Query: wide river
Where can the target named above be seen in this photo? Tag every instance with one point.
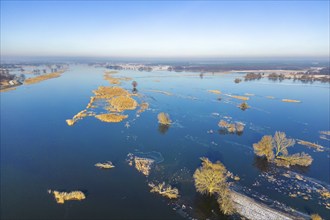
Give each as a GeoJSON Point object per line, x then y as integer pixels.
{"type": "Point", "coordinates": [39, 151]}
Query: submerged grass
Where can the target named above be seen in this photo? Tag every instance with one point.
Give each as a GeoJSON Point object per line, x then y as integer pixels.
{"type": "Point", "coordinates": [162, 92]}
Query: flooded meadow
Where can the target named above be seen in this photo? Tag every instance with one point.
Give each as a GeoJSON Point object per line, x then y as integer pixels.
{"type": "Point", "coordinates": [127, 145]}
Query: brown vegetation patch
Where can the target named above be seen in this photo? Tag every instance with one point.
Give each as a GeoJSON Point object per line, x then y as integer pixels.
{"type": "Point", "coordinates": [7, 89]}
{"type": "Point", "coordinates": [143, 106]}
{"type": "Point", "coordinates": [164, 118]}
{"type": "Point", "coordinates": [275, 150]}
{"type": "Point", "coordinates": [80, 115]}
{"type": "Point", "coordinates": [61, 197]}
{"type": "Point", "coordinates": [215, 92]}
{"type": "Point", "coordinates": [42, 78]}
{"type": "Point", "coordinates": [325, 194]}
{"type": "Point", "coordinates": [244, 98]}
{"type": "Point", "coordinates": [300, 159]}
{"type": "Point", "coordinates": [311, 145]}
{"type": "Point", "coordinates": [111, 117]}
{"type": "Point", "coordinates": [106, 165]}
{"type": "Point", "coordinates": [91, 101]}
{"type": "Point", "coordinates": [116, 99]}
{"type": "Point", "coordinates": [110, 72]}
{"type": "Point", "coordinates": [164, 190]}
{"type": "Point", "coordinates": [111, 79]}
{"type": "Point", "coordinates": [316, 217]}
{"type": "Point", "coordinates": [143, 165]}
{"type": "Point", "coordinates": [121, 103]}
{"type": "Point", "coordinates": [325, 132]}
{"type": "Point", "coordinates": [211, 178]}
{"type": "Point", "coordinates": [290, 100]}
{"type": "Point", "coordinates": [243, 106]}
{"type": "Point", "coordinates": [106, 92]}
{"type": "Point", "coordinates": [237, 127]}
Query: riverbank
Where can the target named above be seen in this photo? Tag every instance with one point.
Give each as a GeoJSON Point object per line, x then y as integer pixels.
{"type": "Point", "coordinates": [251, 209]}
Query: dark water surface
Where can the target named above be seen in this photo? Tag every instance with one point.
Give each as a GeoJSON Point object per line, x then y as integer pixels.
{"type": "Point", "coordinates": [39, 151]}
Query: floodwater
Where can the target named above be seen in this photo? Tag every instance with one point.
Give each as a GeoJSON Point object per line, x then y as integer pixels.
{"type": "Point", "coordinates": [39, 151]}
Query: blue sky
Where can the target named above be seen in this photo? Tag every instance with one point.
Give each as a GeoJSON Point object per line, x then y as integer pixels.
{"type": "Point", "coordinates": [165, 29]}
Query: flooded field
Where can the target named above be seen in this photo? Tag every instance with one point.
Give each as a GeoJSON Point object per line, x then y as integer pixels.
{"type": "Point", "coordinates": [153, 134]}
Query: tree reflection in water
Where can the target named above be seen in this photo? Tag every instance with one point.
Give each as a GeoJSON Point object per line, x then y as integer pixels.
{"type": "Point", "coordinates": [163, 128]}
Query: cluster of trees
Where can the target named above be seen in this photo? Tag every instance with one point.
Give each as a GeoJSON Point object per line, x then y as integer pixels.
{"type": "Point", "coordinates": [252, 76]}
{"type": "Point", "coordinates": [232, 127]}
{"type": "Point", "coordinates": [275, 149]}
{"type": "Point", "coordinates": [164, 118]}
{"type": "Point", "coordinates": [275, 76]}
{"type": "Point", "coordinates": [5, 76]}
{"type": "Point", "coordinates": [211, 179]}
{"type": "Point", "coordinates": [244, 106]}
{"type": "Point", "coordinates": [237, 80]}
{"type": "Point", "coordinates": [311, 78]}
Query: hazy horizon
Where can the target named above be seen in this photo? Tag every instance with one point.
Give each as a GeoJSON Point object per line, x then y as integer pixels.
{"type": "Point", "coordinates": [187, 30]}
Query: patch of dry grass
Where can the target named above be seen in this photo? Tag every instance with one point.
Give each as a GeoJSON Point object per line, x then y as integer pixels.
{"type": "Point", "coordinates": [164, 118]}
{"type": "Point", "coordinates": [143, 165]}
{"type": "Point", "coordinates": [316, 217]}
{"type": "Point", "coordinates": [61, 197]}
{"type": "Point", "coordinates": [143, 106]}
{"type": "Point", "coordinates": [215, 92]}
{"type": "Point", "coordinates": [111, 117]}
{"type": "Point", "coordinates": [80, 115]}
{"type": "Point", "coordinates": [325, 132]}
{"type": "Point", "coordinates": [310, 144]}
{"type": "Point", "coordinates": [111, 79]}
{"type": "Point", "coordinates": [290, 100]}
{"type": "Point", "coordinates": [164, 190]}
{"type": "Point", "coordinates": [239, 97]}
{"type": "Point", "coordinates": [121, 103]}
{"type": "Point", "coordinates": [232, 127]}
{"type": "Point", "coordinates": [42, 78]}
{"type": "Point", "coordinates": [7, 89]}
{"type": "Point", "coordinates": [91, 101]}
{"type": "Point", "coordinates": [106, 92]}
{"type": "Point", "coordinates": [106, 165]}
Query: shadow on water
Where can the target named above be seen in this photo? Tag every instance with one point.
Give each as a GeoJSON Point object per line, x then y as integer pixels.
{"type": "Point", "coordinates": [163, 128]}
{"type": "Point", "coordinates": [264, 166]}
{"type": "Point", "coordinates": [224, 131]}
{"type": "Point", "coordinates": [134, 90]}
{"type": "Point", "coordinates": [261, 163]}
{"type": "Point", "coordinates": [300, 169]}
{"type": "Point", "coordinates": [206, 207]}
